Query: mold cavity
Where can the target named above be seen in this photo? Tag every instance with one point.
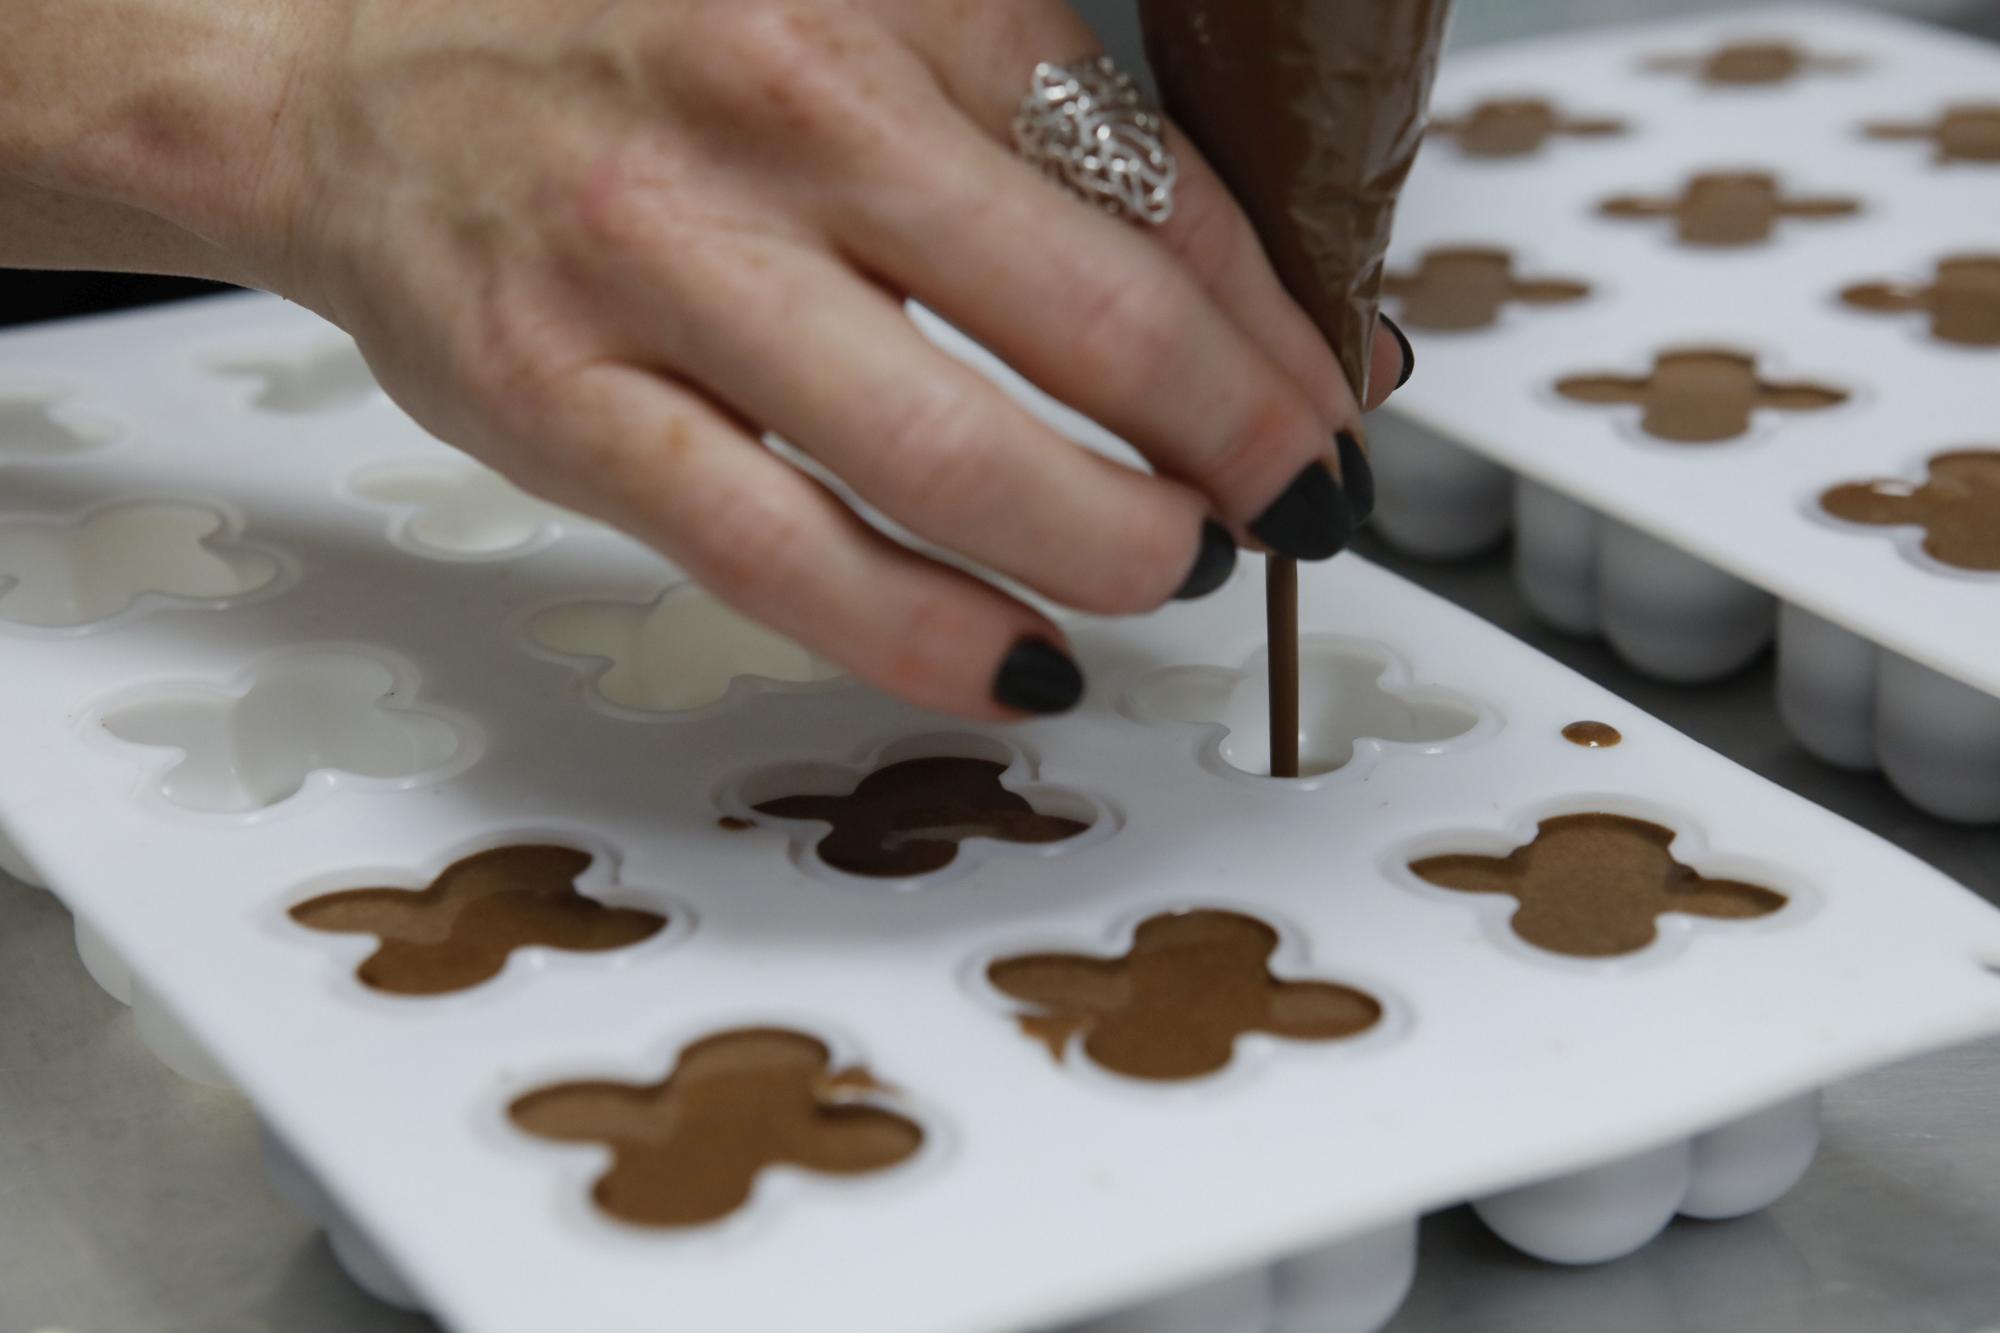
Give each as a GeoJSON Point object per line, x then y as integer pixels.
{"type": "Point", "coordinates": [1725, 208]}
{"type": "Point", "coordinates": [460, 510]}
{"type": "Point", "coordinates": [60, 576]}
{"type": "Point", "coordinates": [1592, 735]}
{"type": "Point", "coordinates": [460, 931]}
{"type": "Point", "coordinates": [1962, 303]}
{"type": "Point", "coordinates": [1594, 885]}
{"type": "Point", "coordinates": [687, 1151]}
{"type": "Point", "coordinates": [1965, 132]}
{"type": "Point", "coordinates": [1700, 395]}
{"type": "Point", "coordinates": [1517, 126]}
{"type": "Point", "coordinates": [1173, 1007]}
{"type": "Point", "coordinates": [30, 432]}
{"type": "Point", "coordinates": [1455, 288]}
{"type": "Point", "coordinates": [301, 715]}
{"type": "Point", "coordinates": [323, 378]}
{"type": "Point", "coordinates": [1342, 699]}
{"type": "Point", "coordinates": [1750, 63]}
{"type": "Point", "coordinates": [678, 652]}
{"type": "Point", "coordinates": [1958, 507]}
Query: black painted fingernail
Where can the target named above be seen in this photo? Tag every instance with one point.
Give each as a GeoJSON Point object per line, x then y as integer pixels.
{"type": "Point", "coordinates": [1310, 521]}
{"type": "Point", "coordinates": [1038, 677]}
{"type": "Point", "coordinates": [1357, 478]}
{"type": "Point", "coordinates": [1213, 564]}
{"type": "Point", "coordinates": [1409, 352]}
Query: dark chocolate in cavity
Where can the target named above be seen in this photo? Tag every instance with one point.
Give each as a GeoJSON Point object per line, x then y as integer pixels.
{"type": "Point", "coordinates": [1700, 395]}
{"type": "Point", "coordinates": [1456, 288]}
{"type": "Point", "coordinates": [1729, 208]}
{"type": "Point", "coordinates": [1519, 126]}
{"type": "Point", "coordinates": [1963, 302]}
{"type": "Point", "coordinates": [1958, 507]}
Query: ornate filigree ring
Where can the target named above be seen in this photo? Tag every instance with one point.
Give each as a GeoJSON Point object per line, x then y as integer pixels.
{"type": "Point", "coordinates": [1089, 129]}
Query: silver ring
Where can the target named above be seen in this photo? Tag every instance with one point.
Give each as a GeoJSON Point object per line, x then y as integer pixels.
{"type": "Point", "coordinates": [1089, 129]}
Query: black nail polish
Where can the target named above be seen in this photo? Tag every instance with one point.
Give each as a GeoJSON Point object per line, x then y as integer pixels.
{"type": "Point", "coordinates": [1357, 478]}
{"type": "Point", "coordinates": [1409, 352]}
{"type": "Point", "coordinates": [1038, 677]}
{"type": "Point", "coordinates": [1213, 564]}
{"type": "Point", "coordinates": [1310, 521]}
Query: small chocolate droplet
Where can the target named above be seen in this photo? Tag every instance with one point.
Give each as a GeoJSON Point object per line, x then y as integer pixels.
{"type": "Point", "coordinates": [1592, 735]}
{"type": "Point", "coordinates": [731, 824]}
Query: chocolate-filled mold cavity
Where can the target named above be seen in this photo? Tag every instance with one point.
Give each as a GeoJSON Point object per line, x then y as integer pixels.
{"type": "Point", "coordinates": [1174, 1006]}
{"type": "Point", "coordinates": [676, 653]}
{"type": "Point", "coordinates": [1963, 132]}
{"type": "Point", "coordinates": [1956, 507]}
{"type": "Point", "coordinates": [326, 376]}
{"type": "Point", "coordinates": [1353, 697]}
{"type": "Point", "coordinates": [35, 428]}
{"type": "Point", "coordinates": [68, 575]}
{"type": "Point", "coordinates": [1751, 64]}
{"type": "Point", "coordinates": [250, 746]}
{"type": "Point", "coordinates": [459, 931]}
{"type": "Point", "coordinates": [1700, 395]}
{"type": "Point", "coordinates": [1595, 885]}
{"type": "Point", "coordinates": [688, 1151]}
{"type": "Point", "coordinates": [1592, 735]}
{"type": "Point", "coordinates": [460, 510]}
{"type": "Point", "coordinates": [1519, 127]}
{"type": "Point", "coordinates": [1720, 209]}
{"type": "Point", "coordinates": [1961, 304]}
{"type": "Point", "coordinates": [1455, 289]}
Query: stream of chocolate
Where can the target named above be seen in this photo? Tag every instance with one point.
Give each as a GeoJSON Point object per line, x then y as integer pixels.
{"type": "Point", "coordinates": [1312, 112]}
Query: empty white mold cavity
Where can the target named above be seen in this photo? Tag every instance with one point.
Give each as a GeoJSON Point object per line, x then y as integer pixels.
{"type": "Point", "coordinates": [1352, 696]}
{"type": "Point", "coordinates": [66, 575]}
{"type": "Point", "coordinates": [327, 376]}
{"type": "Point", "coordinates": [1433, 498]}
{"type": "Point", "coordinates": [32, 430]}
{"type": "Point", "coordinates": [460, 510]}
{"type": "Point", "coordinates": [678, 652]}
{"type": "Point", "coordinates": [312, 713]}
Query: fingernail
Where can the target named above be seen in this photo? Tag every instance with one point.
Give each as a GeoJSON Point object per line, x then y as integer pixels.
{"type": "Point", "coordinates": [1409, 352]}
{"type": "Point", "coordinates": [1213, 564]}
{"type": "Point", "coordinates": [1038, 677]}
{"type": "Point", "coordinates": [1357, 478]}
{"type": "Point", "coordinates": [1310, 521]}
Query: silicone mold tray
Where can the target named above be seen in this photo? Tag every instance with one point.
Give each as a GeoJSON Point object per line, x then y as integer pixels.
{"type": "Point", "coordinates": [488, 934]}
{"type": "Point", "coordinates": [1653, 350]}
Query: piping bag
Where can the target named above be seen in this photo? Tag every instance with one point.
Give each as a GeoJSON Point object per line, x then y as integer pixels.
{"type": "Point", "coordinates": [1312, 112]}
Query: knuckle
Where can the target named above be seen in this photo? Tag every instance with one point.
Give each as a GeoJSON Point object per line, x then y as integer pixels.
{"type": "Point", "coordinates": [1262, 455]}
{"type": "Point", "coordinates": [779, 61]}
{"type": "Point", "coordinates": [936, 450]}
{"type": "Point", "coordinates": [1145, 561]}
{"type": "Point", "coordinates": [746, 549]}
{"type": "Point", "coordinates": [1126, 334]}
{"type": "Point", "coordinates": [1206, 235]}
{"type": "Point", "coordinates": [924, 662]}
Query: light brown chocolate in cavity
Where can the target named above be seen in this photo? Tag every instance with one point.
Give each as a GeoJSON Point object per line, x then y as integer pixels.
{"type": "Point", "coordinates": [1700, 395]}
{"type": "Point", "coordinates": [687, 1151]}
{"type": "Point", "coordinates": [1963, 302]}
{"type": "Point", "coordinates": [1968, 132]}
{"type": "Point", "coordinates": [1723, 208]}
{"type": "Point", "coordinates": [1173, 1007]}
{"type": "Point", "coordinates": [1593, 885]}
{"type": "Point", "coordinates": [1592, 735]}
{"type": "Point", "coordinates": [908, 818]}
{"type": "Point", "coordinates": [460, 931]}
{"type": "Point", "coordinates": [1744, 64]}
{"type": "Point", "coordinates": [1519, 126]}
{"type": "Point", "coordinates": [1958, 507]}
{"type": "Point", "coordinates": [1456, 288]}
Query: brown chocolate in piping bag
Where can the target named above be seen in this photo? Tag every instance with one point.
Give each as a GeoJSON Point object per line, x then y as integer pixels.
{"type": "Point", "coordinates": [1312, 112]}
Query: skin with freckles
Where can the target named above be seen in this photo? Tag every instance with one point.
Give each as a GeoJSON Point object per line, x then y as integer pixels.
{"type": "Point", "coordinates": [605, 245]}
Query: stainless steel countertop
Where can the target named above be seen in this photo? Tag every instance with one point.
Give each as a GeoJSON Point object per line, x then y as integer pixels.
{"type": "Point", "coordinates": [134, 1202]}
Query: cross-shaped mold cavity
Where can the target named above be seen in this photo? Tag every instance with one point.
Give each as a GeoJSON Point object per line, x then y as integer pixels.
{"type": "Point", "coordinates": [459, 931]}
{"type": "Point", "coordinates": [1462, 287]}
{"type": "Point", "coordinates": [337, 716]}
{"type": "Point", "coordinates": [66, 575]}
{"type": "Point", "coordinates": [1962, 302]}
{"type": "Point", "coordinates": [1519, 126]}
{"type": "Point", "coordinates": [1957, 507]}
{"type": "Point", "coordinates": [1700, 395]}
{"type": "Point", "coordinates": [1356, 701]}
{"type": "Point", "coordinates": [1964, 132]}
{"type": "Point", "coordinates": [34, 428]}
{"type": "Point", "coordinates": [677, 652]}
{"type": "Point", "coordinates": [689, 1150]}
{"type": "Point", "coordinates": [326, 375]}
{"type": "Point", "coordinates": [1729, 208]}
{"type": "Point", "coordinates": [459, 510]}
{"type": "Point", "coordinates": [1748, 63]}
{"type": "Point", "coordinates": [919, 807]}
{"type": "Point", "coordinates": [1174, 1006]}
{"type": "Point", "coordinates": [1595, 885]}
